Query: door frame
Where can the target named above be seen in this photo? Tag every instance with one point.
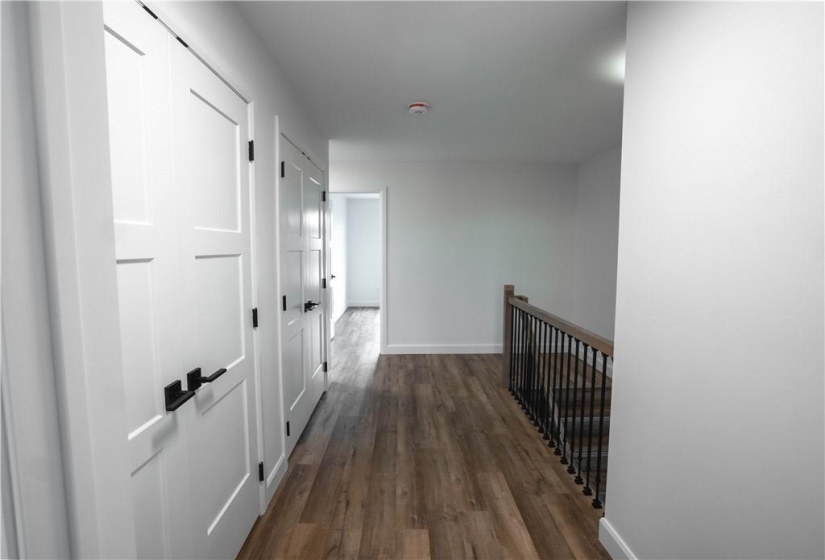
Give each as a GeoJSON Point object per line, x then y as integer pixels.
{"type": "Point", "coordinates": [382, 192]}
{"type": "Point", "coordinates": [69, 73]}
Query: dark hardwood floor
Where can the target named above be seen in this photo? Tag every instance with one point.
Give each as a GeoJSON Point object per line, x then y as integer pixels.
{"type": "Point", "coordinates": [421, 456]}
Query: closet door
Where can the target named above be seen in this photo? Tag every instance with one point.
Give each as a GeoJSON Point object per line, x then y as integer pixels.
{"type": "Point", "coordinates": [213, 214]}
{"type": "Point", "coordinates": [181, 196]}
{"type": "Point", "coordinates": [302, 258]}
{"type": "Point", "coordinates": [140, 133]}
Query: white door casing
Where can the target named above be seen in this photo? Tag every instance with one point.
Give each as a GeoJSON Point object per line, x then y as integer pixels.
{"type": "Point", "coordinates": [181, 195]}
{"type": "Point", "coordinates": [302, 222]}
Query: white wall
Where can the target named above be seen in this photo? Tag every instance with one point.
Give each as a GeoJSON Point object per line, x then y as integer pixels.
{"type": "Point", "coordinates": [338, 250]}
{"type": "Point", "coordinates": [29, 401]}
{"type": "Point", "coordinates": [717, 434]}
{"type": "Point", "coordinates": [363, 252]}
{"type": "Point", "coordinates": [456, 234]}
{"type": "Point", "coordinates": [597, 240]}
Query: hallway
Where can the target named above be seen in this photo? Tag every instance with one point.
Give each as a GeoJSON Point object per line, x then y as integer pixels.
{"type": "Point", "coordinates": [421, 456]}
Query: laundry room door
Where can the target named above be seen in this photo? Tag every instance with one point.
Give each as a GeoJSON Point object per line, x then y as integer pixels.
{"type": "Point", "coordinates": [181, 194]}
{"type": "Point", "coordinates": [303, 301]}
{"type": "Point", "coordinates": [138, 67]}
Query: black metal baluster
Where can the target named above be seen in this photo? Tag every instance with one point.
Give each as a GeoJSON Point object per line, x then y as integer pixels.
{"type": "Point", "coordinates": [571, 469]}
{"type": "Point", "coordinates": [548, 411]}
{"type": "Point", "coordinates": [525, 359]}
{"type": "Point", "coordinates": [517, 366]}
{"type": "Point", "coordinates": [551, 398]}
{"type": "Point", "coordinates": [562, 401]}
{"type": "Point", "coordinates": [587, 491]}
{"type": "Point", "coordinates": [579, 479]}
{"type": "Point", "coordinates": [520, 385]}
{"type": "Point", "coordinates": [567, 445]}
{"type": "Point", "coordinates": [597, 503]}
{"type": "Point", "coordinates": [525, 367]}
{"type": "Point", "coordinates": [557, 390]}
{"type": "Point", "coordinates": [532, 379]}
{"type": "Point", "coordinates": [540, 412]}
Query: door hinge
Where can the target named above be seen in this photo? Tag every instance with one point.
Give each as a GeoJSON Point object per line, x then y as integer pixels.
{"type": "Point", "coordinates": [261, 471]}
{"type": "Point", "coordinates": [287, 429]}
{"type": "Point", "coordinates": [181, 41]}
{"type": "Point", "coordinates": [251, 150]}
{"type": "Point", "coordinates": [323, 196]}
{"type": "Point", "coordinates": [324, 283]}
{"type": "Point", "coordinates": [283, 302]}
{"type": "Point", "coordinates": [255, 318]}
{"type": "Point", "coordinates": [326, 368]}
{"type": "Point", "coordinates": [283, 170]}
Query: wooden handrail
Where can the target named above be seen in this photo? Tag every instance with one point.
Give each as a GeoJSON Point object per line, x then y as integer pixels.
{"type": "Point", "coordinates": [592, 339]}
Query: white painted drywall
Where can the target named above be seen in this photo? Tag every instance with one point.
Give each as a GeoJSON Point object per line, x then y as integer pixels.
{"type": "Point", "coordinates": [29, 415]}
{"type": "Point", "coordinates": [717, 433]}
{"type": "Point", "coordinates": [456, 234]}
{"type": "Point", "coordinates": [218, 31]}
{"type": "Point", "coordinates": [597, 240]}
{"type": "Point", "coordinates": [338, 254]}
{"type": "Point", "coordinates": [363, 252]}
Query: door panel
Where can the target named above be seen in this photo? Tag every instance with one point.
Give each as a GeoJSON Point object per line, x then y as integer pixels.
{"type": "Point", "coordinates": [295, 383]}
{"type": "Point", "coordinates": [218, 308]}
{"type": "Point", "coordinates": [151, 514]}
{"type": "Point", "coordinates": [217, 145]}
{"type": "Point", "coordinates": [138, 90]}
{"type": "Point", "coordinates": [138, 320]}
{"type": "Point", "coordinates": [128, 135]}
{"type": "Point", "coordinates": [213, 202]}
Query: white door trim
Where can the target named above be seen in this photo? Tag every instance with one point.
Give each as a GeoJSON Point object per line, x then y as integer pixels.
{"type": "Point", "coordinates": [381, 191]}
{"type": "Point", "coordinates": [70, 94]}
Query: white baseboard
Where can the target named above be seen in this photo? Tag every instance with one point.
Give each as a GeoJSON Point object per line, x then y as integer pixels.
{"type": "Point", "coordinates": [443, 349]}
{"type": "Point", "coordinates": [613, 542]}
{"type": "Point", "coordinates": [363, 304]}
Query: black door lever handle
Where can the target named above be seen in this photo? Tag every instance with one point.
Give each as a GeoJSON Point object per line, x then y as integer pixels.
{"type": "Point", "coordinates": [194, 379]}
{"type": "Point", "coordinates": [175, 396]}
{"type": "Point", "coordinates": [310, 305]}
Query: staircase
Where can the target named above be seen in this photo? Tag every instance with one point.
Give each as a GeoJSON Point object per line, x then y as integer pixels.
{"type": "Point", "coordinates": [557, 373]}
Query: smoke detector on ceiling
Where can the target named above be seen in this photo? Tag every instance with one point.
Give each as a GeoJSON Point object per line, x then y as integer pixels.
{"type": "Point", "coordinates": [418, 108]}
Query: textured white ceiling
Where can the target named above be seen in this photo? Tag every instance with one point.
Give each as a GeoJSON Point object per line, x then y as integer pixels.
{"type": "Point", "coordinates": [507, 81]}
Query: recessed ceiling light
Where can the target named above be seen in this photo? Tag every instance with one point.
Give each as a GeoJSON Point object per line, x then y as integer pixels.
{"type": "Point", "coordinates": [418, 108]}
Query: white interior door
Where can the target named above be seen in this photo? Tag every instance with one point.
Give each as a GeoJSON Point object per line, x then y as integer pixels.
{"type": "Point", "coordinates": [181, 196]}
{"type": "Point", "coordinates": [213, 202]}
{"type": "Point", "coordinates": [140, 128]}
{"type": "Point", "coordinates": [302, 269]}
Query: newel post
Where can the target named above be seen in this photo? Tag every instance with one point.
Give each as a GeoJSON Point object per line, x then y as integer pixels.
{"type": "Point", "coordinates": [509, 291]}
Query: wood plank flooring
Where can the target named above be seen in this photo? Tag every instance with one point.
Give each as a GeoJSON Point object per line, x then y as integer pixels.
{"type": "Point", "coordinates": [421, 456]}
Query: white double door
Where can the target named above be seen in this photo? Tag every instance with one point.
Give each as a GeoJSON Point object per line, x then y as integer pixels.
{"type": "Point", "coordinates": [181, 208]}
{"type": "Point", "coordinates": [303, 220]}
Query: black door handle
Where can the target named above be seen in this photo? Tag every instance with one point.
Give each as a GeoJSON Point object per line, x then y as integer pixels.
{"type": "Point", "coordinates": [175, 396]}
{"type": "Point", "coordinates": [332, 276]}
{"type": "Point", "coordinates": [194, 379]}
{"type": "Point", "coordinates": [310, 305]}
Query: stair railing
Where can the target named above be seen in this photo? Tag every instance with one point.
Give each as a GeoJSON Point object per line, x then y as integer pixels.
{"type": "Point", "coordinates": [551, 367]}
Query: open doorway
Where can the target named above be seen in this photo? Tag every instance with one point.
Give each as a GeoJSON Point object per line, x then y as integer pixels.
{"type": "Point", "coordinates": [357, 253]}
